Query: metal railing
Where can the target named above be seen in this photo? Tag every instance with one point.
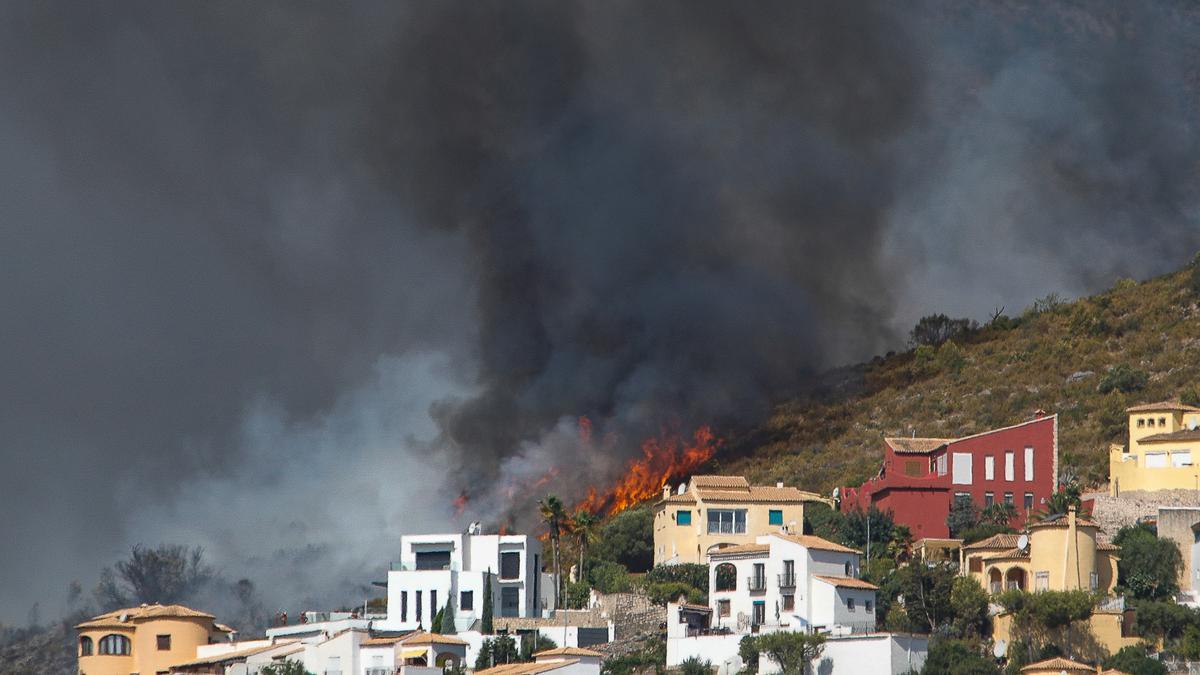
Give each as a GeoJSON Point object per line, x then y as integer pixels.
{"type": "Point", "coordinates": [787, 580]}
{"type": "Point", "coordinates": [411, 567]}
{"type": "Point", "coordinates": [756, 584]}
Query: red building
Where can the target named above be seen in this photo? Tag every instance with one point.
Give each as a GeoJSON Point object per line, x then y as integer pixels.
{"type": "Point", "coordinates": [921, 477]}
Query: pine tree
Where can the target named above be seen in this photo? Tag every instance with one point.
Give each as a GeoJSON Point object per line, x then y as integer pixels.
{"type": "Point", "coordinates": [435, 626]}
{"type": "Point", "coordinates": [447, 613]}
{"type": "Point", "coordinates": [486, 628]}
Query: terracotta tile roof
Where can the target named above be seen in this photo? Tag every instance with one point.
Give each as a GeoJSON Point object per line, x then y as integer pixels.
{"type": "Point", "coordinates": [1174, 436]}
{"type": "Point", "coordinates": [811, 541]}
{"type": "Point", "coordinates": [382, 641]}
{"type": "Point", "coordinates": [223, 628]}
{"type": "Point", "coordinates": [720, 482]}
{"type": "Point", "coordinates": [742, 549]}
{"type": "Point", "coordinates": [526, 668]}
{"type": "Point", "coordinates": [1061, 520]}
{"type": "Point", "coordinates": [417, 639]}
{"type": "Point", "coordinates": [847, 582]}
{"type": "Point", "coordinates": [695, 608]}
{"type": "Point", "coordinates": [1011, 553]}
{"type": "Point", "coordinates": [915, 446]}
{"type": "Point", "coordinates": [1002, 541]}
{"type": "Point", "coordinates": [760, 493]}
{"type": "Point", "coordinates": [1107, 546]}
{"type": "Point", "coordinates": [568, 651]}
{"type": "Point", "coordinates": [1060, 664]}
{"type": "Point", "coordinates": [1162, 406]}
{"type": "Point", "coordinates": [143, 612]}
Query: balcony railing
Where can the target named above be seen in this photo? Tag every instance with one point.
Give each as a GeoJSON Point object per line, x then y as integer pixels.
{"type": "Point", "coordinates": [380, 671]}
{"type": "Point", "coordinates": [756, 584]}
{"type": "Point", "coordinates": [787, 580]}
{"type": "Point", "coordinates": [411, 567]}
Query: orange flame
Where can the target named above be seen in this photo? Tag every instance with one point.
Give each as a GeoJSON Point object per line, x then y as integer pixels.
{"type": "Point", "coordinates": [663, 459]}
{"type": "Point", "coordinates": [460, 503]}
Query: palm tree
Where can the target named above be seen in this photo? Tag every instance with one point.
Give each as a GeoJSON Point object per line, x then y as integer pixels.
{"type": "Point", "coordinates": [585, 525]}
{"type": "Point", "coordinates": [554, 515]}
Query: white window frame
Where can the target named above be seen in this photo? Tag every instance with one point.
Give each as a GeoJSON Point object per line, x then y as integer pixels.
{"type": "Point", "coordinates": [1010, 463]}
{"type": "Point", "coordinates": [961, 468]}
{"type": "Point", "coordinates": [1029, 463]}
{"type": "Point", "coordinates": [1181, 458]}
{"type": "Point", "coordinates": [989, 468]}
{"type": "Point", "coordinates": [1041, 581]}
{"type": "Point", "coordinates": [728, 521]}
{"type": "Point", "coordinates": [1161, 460]}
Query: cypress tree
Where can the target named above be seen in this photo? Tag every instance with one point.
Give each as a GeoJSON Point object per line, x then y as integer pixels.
{"type": "Point", "coordinates": [486, 628]}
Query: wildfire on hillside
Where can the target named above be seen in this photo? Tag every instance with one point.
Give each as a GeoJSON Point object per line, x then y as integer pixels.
{"type": "Point", "coordinates": [664, 458]}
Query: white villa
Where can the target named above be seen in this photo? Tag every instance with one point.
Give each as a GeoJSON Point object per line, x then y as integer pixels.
{"type": "Point", "coordinates": [437, 568]}
{"type": "Point", "coordinates": [788, 582]}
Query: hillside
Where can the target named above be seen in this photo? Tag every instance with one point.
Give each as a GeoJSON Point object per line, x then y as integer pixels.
{"type": "Point", "coordinates": [1055, 356]}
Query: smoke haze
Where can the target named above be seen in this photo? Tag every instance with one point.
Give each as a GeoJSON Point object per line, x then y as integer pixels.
{"type": "Point", "coordinates": [284, 280]}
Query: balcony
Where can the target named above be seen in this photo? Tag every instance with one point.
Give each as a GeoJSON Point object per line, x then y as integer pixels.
{"type": "Point", "coordinates": [787, 580]}
{"type": "Point", "coordinates": [411, 567]}
{"type": "Point", "coordinates": [756, 584]}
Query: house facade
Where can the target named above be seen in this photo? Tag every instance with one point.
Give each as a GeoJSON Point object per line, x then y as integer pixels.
{"type": "Point", "coordinates": [438, 568]}
{"type": "Point", "coordinates": [712, 512]}
{"type": "Point", "coordinates": [145, 639]}
{"type": "Point", "coordinates": [1163, 450]}
{"type": "Point", "coordinates": [921, 477]}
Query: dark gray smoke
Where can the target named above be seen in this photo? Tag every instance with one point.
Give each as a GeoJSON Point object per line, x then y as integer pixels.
{"type": "Point", "coordinates": [282, 279]}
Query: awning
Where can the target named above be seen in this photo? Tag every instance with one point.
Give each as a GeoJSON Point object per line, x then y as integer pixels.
{"type": "Point", "coordinates": [413, 653]}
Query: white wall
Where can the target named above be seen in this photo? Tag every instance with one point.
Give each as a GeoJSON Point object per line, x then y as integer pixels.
{"type": "Point", "coordinates": [720, 650]}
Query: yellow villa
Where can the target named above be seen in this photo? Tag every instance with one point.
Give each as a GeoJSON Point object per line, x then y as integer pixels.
{"type": "Point", "coordinates": [1163, 440]}
{"type": "Point", "coordinates": [713, 512]}
{"type": "Point", "coordinates": [1061, 553]}
{"type": "Point", "coordinates": [145, 640]}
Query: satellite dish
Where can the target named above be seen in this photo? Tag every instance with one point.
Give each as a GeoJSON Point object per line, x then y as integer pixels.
{"type": "Point", "coordinates": [124, 617]}
{"type": "Point", "coordinates": [837, 492]}
{"type": "Point", "coordinates": [1023, 542]}
{"type": "Point", "coordinates": [681, 489]}
{"type": "Point", "coordinates": [1193, 425]}
{"type": "Point", "coordinates": [1000, 649]}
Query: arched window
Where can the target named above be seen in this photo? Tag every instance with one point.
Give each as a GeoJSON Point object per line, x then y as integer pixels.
{"type": "Point", "coordinates": [117, 645]}
{"type": "Point", "coordinates": [85, 646]}
{"type": "Point", "coordinates": [726, 577]}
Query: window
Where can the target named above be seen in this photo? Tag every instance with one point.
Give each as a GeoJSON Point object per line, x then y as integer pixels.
{"type": "Point", "coordinates": [1162, 421]}
{"type": "Point", "coordinates": [1041, 581]}
{"type": "Point", "coordinates": [961, 468]}
{"type": "Point", "coordinates": [85, 646]}
{"type": "Point", "coordinates": [760, 612]}
{"type": "Point", "coordinates": [510, 565]}
{"type": "Point", "coordinates": [850, 604]}
{"type": "Point", "coordinates": [940, 462]}
{"type": "Point", "coordinates": [869, 605]}
{"type": "Point", "coordinates": [726, 579]}
{"type": "Point", "coordinates": [960, 497]}
{"type": "Point", "coordinates": [1141, 423]}
{"type": "Point", "coordinates": [404, 605]}
{"type": "Point", "coordinates": [116, 645]}
{"type": "Point", "coordinates": [466, 600]}
{"type": "Point", "coordinates": [975, 564]}
{"type": "Point", "coordinates": [789, 602]}
{"type": "Point", "coordinates": [912, 468]}
{"type": "Point", "coordinates": [1094, 580]}
{"type": "Point", "coordinates": [849, 570]}
{"type": "Point", "coordinates": [1181, 458]}
{"type": "Point", "coordinates": [759, 581]}
{"type": "Point", "coordinates": [1028, 501]}
{"type": "Point", "coordinates": [721, 521]}
{"type": "Point", "coordinates": [1028, 464]}
{"type": "Point", "coordinates": [989, 468]}
{"type": "Point", "coordinates": [433, 560]}
{"type": "Point", "coordinates": [163, 642]}
{"type": "Point", "coordinates": [789, 574]}
{"type": "Point", "coordinates": [510, 601]}
{"type": "Point", "coordinates": [722, 608]}
{"type": "Point", "coordinates": [418, 606]}
{"type": "Point", "coordinates": [1010, 472]}
{"type": "Point", "coordinates": [1008, 498]}
{"type": "Point", "coordinates": [683, 517]}
{"type": "Point", "coordinates": [775, 517]}
{"type": "Point", "coordinates": [989, 498]}
{"type": "Point", "coordinates": [1156, 460]}
{"type": "Point", "coordinates": [433, 606]}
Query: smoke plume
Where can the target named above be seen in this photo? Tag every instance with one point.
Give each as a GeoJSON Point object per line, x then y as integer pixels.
{"type": "Point", "coordinates": [284, 280]}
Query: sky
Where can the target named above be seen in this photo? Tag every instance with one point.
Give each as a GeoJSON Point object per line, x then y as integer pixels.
{"type": "Point", "coordinates": [283, 280]}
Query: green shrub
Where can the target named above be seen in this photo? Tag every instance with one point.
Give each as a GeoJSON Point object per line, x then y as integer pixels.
{"type": "Point", "coordinates": [1136, 661]}
{"type": "Point", "coordinates": [692, 574]}
{"type": "Point", "coordinates": [628, 539]}
{"type": "Point", "coordinates": [610, 577]}
{"type": "Point", "coordinates": [1148, 567]}
{"type": "Point", "coordinates": [1124, 379]}
{"type": "Point", "coordinates": [576, 595]}
{"type": "Point", "coordinates": [950, 358]}
{"type": "Point", "coordinates": [694, 666]}
{"type": "Point", "coordinates": [669, 591]}
{"type": "Point", "coordinates": [958, 657]}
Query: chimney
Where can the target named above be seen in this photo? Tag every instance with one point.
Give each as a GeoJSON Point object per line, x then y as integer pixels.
{"type": "Point", "coordinates": [779, 484]}
{"type": "Point", "coordinates": [666, 491]}
{"type": "Point", "coordinates": [1039, 414]}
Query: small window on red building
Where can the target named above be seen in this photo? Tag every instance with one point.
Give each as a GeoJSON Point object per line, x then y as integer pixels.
{"type": "Point", "coordinates": [913, 468]}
